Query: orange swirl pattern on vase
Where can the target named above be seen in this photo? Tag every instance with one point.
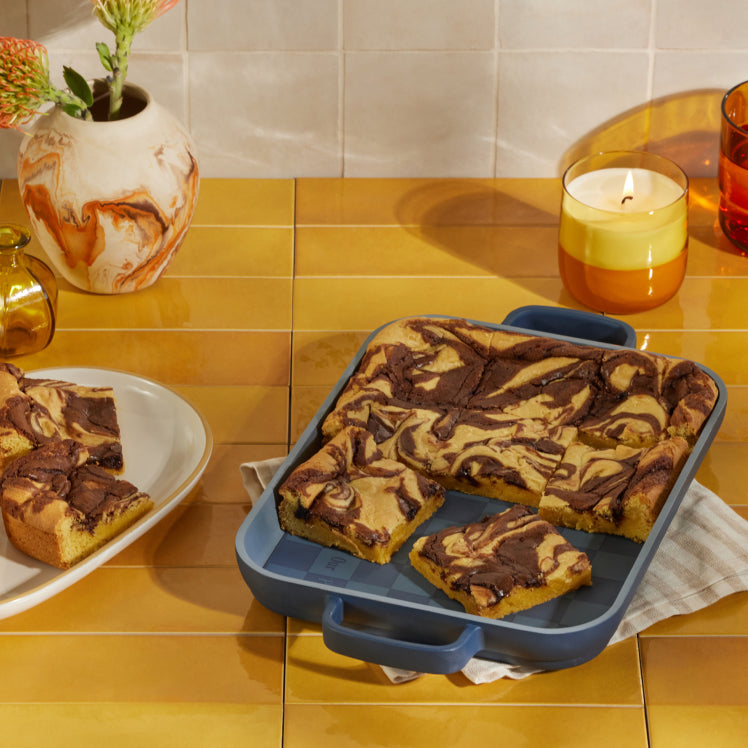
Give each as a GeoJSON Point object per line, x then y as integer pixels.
{"type": "Point", "coordinates": [80, 234]}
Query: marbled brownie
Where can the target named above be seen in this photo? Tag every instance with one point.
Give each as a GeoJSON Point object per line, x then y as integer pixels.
{"type": "Point", "coordinates": [506, 562]}
{"type": "Point", "coordinates": [85, 414]}
{"type": "Point", "coordinates": [617, 490]}
{"type": "Point", "coordinates": [59, 508]}
{"type": "Point", "coordinates": [348, 496]}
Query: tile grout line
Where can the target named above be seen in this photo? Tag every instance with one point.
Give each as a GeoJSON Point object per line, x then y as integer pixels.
{"type": "Point", "coordinates": [640, 663]}
{"type": "Point", "coordinates": [289, 418]}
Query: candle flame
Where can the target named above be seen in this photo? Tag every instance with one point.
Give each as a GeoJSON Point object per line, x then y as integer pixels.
{"type": "Point", "coordinates": [628, 188]}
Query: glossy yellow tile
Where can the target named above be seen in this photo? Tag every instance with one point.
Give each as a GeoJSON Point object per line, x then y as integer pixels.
{"type": "Point", "coordinates": [222, 483]}
{"type": "Point", "coordinates": [245, 202]}
{"type": "Point", "coordinates": [725, 349]}
{"type": "Point", "coordinates": [701, 304]}
{"type": "Point", "coordinates": [127, 724]}
{"type": "Point", "coordinates": [694, 726]}
{"type": "Point", "coordinates": [320, 358]}
{"type": "Point", "coordinates": [132, 600]}
{"type": "Point", "coordinates": [423, 726]}
{"type": "Point", "coordinates": [193, 534]}
{"type": "Point", "coordinates": [277, 285]}
{"type": "Point", "coordinates": [725, 471]}
{"type": "Point", "coordinates": [315, 674]}
{"type": "Point", "coordinates": [431, 202]}
{"type": "Point", "coordinates": [733, 426]}
{"type": "Point", "coordinates": [182, 304]}
{"type": "Point", "coordinates": [242, 414]}
{"type": "Point", "coordinates": [298, 627]}
{"type": "Point", "coordinates": [695, 670]}
{"type": "Point", "coordinates": [426, 251]}
{"type": "Point", "coordinates": [711, 254]}
{"type": "Point", "coordinates": [151, 668]}
{"type": "Point", "coordinates": [218, 357]}
{"type": "Point", "coordinates": [726, 617]}
{"type": "Point", "coordinates": [366, 303]}
{"type": "Point", "coordinates": [305, 402]}
{"type": "Point", "coordinates": [703, 199]}
{"type": "Point", "coordinates": [233, 251]}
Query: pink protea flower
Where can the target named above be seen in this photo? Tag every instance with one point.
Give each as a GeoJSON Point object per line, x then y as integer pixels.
{"type": "Point", "coordinates": [24, 77]}
{"type": "Point", "coordinates": [25, 85]}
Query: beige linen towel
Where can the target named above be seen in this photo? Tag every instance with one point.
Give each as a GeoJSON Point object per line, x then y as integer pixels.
{"type": "Point", "coordinates": [702, 558]}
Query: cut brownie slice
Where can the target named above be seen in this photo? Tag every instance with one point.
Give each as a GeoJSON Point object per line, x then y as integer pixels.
{"type": "Point", "coordinates": [59, 509]}
{"type": "Point", "coordinates": [507, 562]}
{"type": "Point", "coordinates": [85, 414]}
{"type": "Point", "coordinates": [618, 491]}
{"type": "Point", "coordinates": [20, 418]}
{"type": "Point", "coordinates": [349, 497]}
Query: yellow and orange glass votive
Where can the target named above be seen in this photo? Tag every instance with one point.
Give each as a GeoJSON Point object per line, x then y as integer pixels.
{"type": "Point", "coordinates": [623, 233]}
{"type": "Point", "coordinates": [733, 167]}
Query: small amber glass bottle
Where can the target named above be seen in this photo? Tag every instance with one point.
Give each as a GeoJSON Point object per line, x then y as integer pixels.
{"type": "Point", "coordinates": [28, 296]}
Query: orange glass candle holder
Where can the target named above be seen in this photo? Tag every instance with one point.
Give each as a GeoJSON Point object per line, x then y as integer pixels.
{"type": "Point", "coordinates": [733, 167]}
{"type": "Point", "coordinates": [623, 232]}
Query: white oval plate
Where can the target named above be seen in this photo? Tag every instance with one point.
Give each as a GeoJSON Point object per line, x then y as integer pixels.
{"type": "Point", "coordinates": [166, 445]}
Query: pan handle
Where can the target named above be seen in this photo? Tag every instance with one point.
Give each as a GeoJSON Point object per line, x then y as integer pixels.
{"type": "Point", "coordinates": [575, 323]}
{"type": "Point", "coordinates": [384, 650]}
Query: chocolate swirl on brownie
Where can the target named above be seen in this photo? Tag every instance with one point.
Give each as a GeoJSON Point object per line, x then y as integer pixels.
{"type": "Point", "coordinates": [58, 509]}
{"type": "Point", "coordinates": [467, 374]}
{"type": "Point", "coordinates": [504, 563]}
{"type": "Point", "coordinates": [86, 414]}
{"type": "Point", "coordinates": [34, 412]}
{"type": "Point", "coordinates": [349, 496]}
{"type": "Point", "coordinates": [21, 418]}
{"type": "Point", "coordinates": [619, 491]}
{"type": "Point", "coordinates": [483, 452]}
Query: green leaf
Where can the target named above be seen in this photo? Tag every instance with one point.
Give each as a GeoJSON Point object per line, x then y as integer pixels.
{"type": "Point", "coordinates": [104, 55]}
{"type": "Point", "coordinates": [72, 110]}
{"type": "Point", "coordinates": [78, 85]}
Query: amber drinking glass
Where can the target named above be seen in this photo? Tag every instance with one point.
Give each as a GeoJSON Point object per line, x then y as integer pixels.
{"type": "Point", "coordinates": [733, 167]}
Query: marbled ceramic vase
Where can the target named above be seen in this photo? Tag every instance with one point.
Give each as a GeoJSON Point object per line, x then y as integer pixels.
{"type": "Point", "coordinates": [110, 202]}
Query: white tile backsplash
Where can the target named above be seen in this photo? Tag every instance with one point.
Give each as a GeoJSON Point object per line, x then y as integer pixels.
{"type": "Point", "coordinates": [697, 24]}
{"type": "Point", "coordinates": [548, 101]}
{"type": "Point", "coordinates": [418, 113]}
{"type": "Point", "coordinates": [550, 24]}
{"type": "Point", "coordinates": [263, 25]}
{"type": "Point", "coordinates": [283, 88]}
{"type": "Point", "coordinates": [419, 24]}
{"type": "Point", "coordinates": [266, 114]}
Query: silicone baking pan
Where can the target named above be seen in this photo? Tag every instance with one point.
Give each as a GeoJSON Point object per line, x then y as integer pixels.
{"type": "Point", "coordinates": [390, 615]}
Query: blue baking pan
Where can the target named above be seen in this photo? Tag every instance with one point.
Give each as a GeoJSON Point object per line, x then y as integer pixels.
{"type": "Point", "coordinates": [391, 615]}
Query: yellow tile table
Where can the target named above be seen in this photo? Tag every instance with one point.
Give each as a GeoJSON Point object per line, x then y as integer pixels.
{"type": "Point", "coordinates": [277, 284]}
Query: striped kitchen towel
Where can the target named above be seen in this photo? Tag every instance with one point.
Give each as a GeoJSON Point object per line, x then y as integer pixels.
{"type": "Point", "coordinates": [702, 558]}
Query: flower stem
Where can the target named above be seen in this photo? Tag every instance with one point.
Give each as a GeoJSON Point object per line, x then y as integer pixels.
{"type": "Point", "coordinates": [67, 100]}
{"type": "Point", "coordinates": [120, 61]}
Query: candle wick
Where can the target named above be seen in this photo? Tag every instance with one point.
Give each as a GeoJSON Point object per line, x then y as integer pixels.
{"type": "Point", "coordinates": [626, 197]}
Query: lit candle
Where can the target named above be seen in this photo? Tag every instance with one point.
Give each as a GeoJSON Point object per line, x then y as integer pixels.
{"type": "Point", "coordinates": [623, 231]}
